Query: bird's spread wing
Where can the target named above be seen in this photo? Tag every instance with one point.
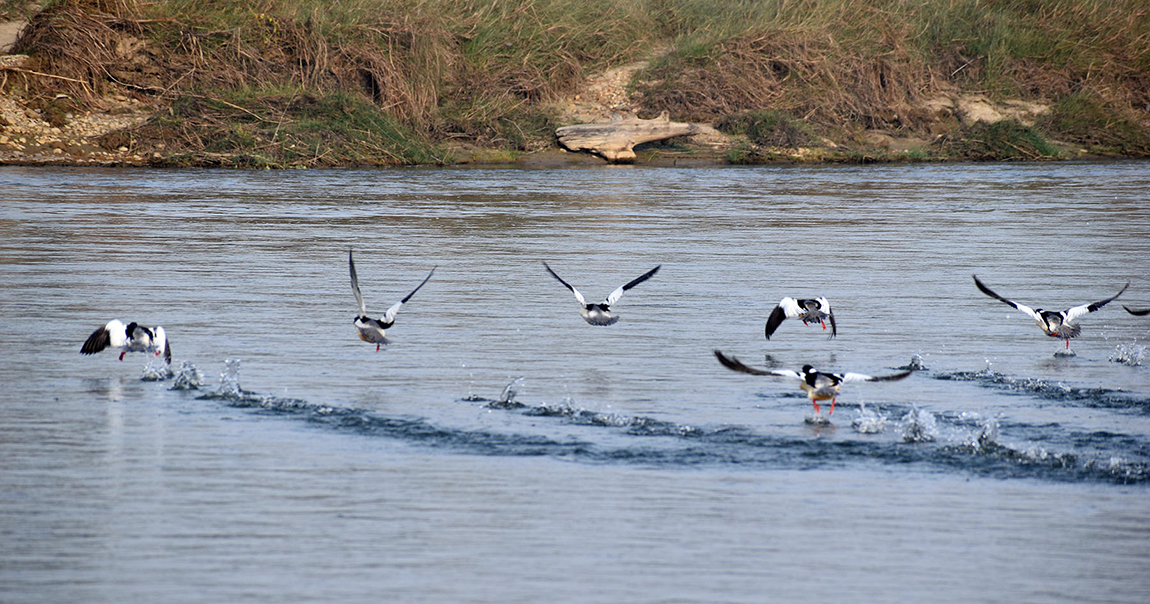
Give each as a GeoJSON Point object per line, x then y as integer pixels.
{"type": "Point", "coordinates": [861, 377]}
{"type": "Point", "coordinates": [98, 340]}
{"type": "Point", "coordinates": [826, 307]}
{"type": "Point", "coordinates": [162, 338]}
{"type": "Point", "coordinates": [355, 285]}
{"type": "Point", "coordinates": [389, 316]}
{"type": "Point", "coordinates": [578, 296]}
{"type": "Point", "coordinates": [791, 307]}
{"type": "Point", "coordinates": [1078, 311]}
{"type": "Point", "coordinates": [986, 290]}
{"type": "Point", "coordinates": [736, 365]}
{"type": "Point", "coordinates": [778, 315]}
{"type": "Point", "coordinates": [618, 293]}
{"type": "Point", "coordinates": [1137, 313]}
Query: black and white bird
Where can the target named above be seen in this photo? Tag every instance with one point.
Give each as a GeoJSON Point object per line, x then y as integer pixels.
{"type": "Point", "coordinates": [817, 310]}
{"type": "Point", "coordinates": [600, 314]}
{"type": "Point", "coordinates": [132, 337]}
{"type": "Point", "coordinates": [1056, 324]}
{"type": "Point", "coordinates": [372, 330]}
{"type": "Point", "coordinates": [1137, 313]}
{"type": "Point", "coordinates": [818, 385]}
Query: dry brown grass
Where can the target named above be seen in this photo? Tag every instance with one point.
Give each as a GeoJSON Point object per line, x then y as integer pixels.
{"type": "Point", "coordinates": [795, 72]}
{"type": "Point", "coordinates": [845, 66]}
{"type": "Point", "coordinates": [484, 72]}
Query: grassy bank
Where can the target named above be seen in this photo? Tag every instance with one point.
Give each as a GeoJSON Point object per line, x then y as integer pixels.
{"type": "Point", "coordinates": [309, 83]}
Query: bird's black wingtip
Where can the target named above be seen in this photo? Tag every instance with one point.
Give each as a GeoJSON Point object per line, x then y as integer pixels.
{"type": "Point", "coordinates": [778, 315]}
{"type": "Point", "coordinates": [896, 376]}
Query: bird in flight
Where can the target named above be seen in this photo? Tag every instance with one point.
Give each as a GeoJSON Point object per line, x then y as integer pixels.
{"type": "Point", "coordinates": [372, 330]}
{"type": "Point", "coordinates": [1056, 324]}
{"type": "Point", "coordinates": [600, 313]}
{"type": "Point", "coordinates": [132, 337]}
{"type": "Point", "coordinates": [817, 310]}
{"type": "Point", "coordinates": [819, 385]}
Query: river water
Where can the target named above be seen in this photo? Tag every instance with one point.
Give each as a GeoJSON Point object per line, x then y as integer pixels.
{"type": "Point", "coordinates": [502, 450]}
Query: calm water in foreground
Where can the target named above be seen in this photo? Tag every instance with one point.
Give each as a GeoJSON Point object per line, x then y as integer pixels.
{"type": "Point", "coordinates": [288, 461]}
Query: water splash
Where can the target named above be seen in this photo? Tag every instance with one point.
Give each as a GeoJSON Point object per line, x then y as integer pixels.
{"type": "Point", "coordinates": [156, 371]}
{"type": "Point", "coordinates": [868, 421]}
{"type": "Point", "coordinates": [916, 364]}
{"type": "Point", "coordinates": [1119, 469]}
{"type": "Point", "coordinates": [509, 391]}
{"type": "Point", "coordinates": [506, 398]}
{"type": "Point", "coordinates": [986, 439]}
{"type": "Point", "coordinates": [471, 396]}
{"type": "Point", "coordinates": [230, 380]}
{"type": "Point", "coordinates": [999, 458]}
{"type": "Point", "coordinates": [919, 426]}
{"type": "Point", "coordinates": [1129, 354]}
{"type": "Point", "coordinates": [564, 408]}
{"type": "Point", "coordinates": [188, 378]}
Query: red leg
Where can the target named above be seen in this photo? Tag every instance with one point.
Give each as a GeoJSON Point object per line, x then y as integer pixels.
{"type": "Point", "coordinates": [1067, 343]}
{"type": "Point", "coordinates": [377, 347]}
{"type": "Point", "coordinates": [122, 352]}
{"type": "Point", "coordinates": [823, 323]}
{"type": "Point", "coordinates": [832, 411]}
{"type": "Point", "coordinates": [816, 404]}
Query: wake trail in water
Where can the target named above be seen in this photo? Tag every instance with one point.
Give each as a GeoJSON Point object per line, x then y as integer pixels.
{"type": "Point", "coordinates": [966, 443]}
{"type": "Point", "coordinates": [1103, 398]}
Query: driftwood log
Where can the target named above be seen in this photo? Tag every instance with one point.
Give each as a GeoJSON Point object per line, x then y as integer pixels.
{"type": "Point", "coordinates": [615, 141]}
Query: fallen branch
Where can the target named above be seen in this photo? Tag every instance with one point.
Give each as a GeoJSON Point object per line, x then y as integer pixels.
{"type": "Point", "coordinates": [46, 75]}
{"type": "Point", "coordinates": [615, 141]}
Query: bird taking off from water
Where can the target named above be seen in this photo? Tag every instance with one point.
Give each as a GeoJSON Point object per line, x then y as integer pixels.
{"type": "Point", "coordinates": [818, 385]}
{"type": "Point", "coordinates": [600, 314]}
{"type": "Point", "coordinates": [371, 330]}
{"type": "Point", "coordinates": [132, 337]}
{"type": "Point", "coordinates": [1056, 324]}
{"type": "Point", "coordinates": [817, 310]}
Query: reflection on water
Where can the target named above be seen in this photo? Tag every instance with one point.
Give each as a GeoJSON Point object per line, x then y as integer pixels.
{"type": "Point", "coordinates": [501, 449]}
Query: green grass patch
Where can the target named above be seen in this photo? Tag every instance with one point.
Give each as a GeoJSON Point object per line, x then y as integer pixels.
{"type": "Point", "coordinates": [1084, 120]}
{"type": "Point", "coordinates": [270, 128]}
{"type": "Point", "coordinates": [767, 128]}
{"type": "Point", "coordinates": [1004, 140]}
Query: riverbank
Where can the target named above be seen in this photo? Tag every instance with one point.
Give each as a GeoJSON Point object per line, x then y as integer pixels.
{"type": "Point", "coordinates": [291, 86]}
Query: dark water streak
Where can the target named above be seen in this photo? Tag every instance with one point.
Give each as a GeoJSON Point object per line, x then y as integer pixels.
{"type": "Point", "coordinates": [734, 446]}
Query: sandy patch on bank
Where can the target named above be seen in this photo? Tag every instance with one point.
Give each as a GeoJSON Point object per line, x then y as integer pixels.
{"type": "Point", "coordinates": [27, 136]}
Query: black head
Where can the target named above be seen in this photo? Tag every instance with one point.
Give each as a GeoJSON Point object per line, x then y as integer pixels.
{"type": "Point", "coordinates": [130, 330]}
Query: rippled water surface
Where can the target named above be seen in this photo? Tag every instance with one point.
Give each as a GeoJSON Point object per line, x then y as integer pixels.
{"type": "Point", "coordinates": [502, 450]}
